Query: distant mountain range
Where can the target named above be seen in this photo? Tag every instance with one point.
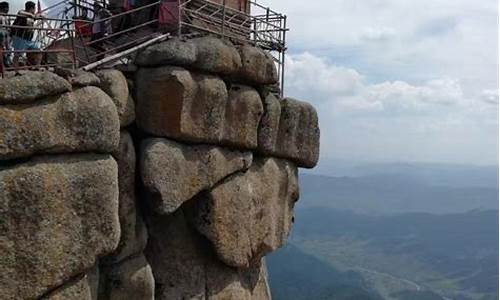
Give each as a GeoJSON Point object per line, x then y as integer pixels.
{"type": "Point", "coordinates": [390, 194]}
{"type": "Point", "coordinates": [391, 236]}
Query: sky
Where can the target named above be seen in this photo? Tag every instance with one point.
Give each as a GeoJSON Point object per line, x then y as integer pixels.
{"type": "Point", "coordinates": [397, 81]}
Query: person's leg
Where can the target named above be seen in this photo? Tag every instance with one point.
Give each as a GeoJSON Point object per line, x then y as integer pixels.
{"type": "Point", "coordinates": [98, 45]}
{"type": "Point", "coordinates": [18, 45]}
{"type": "Point", "coordinates": [36, 56]}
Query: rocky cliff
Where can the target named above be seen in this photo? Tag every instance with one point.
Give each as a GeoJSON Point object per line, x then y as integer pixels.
{"type": "Point", "coordinates": [171, 180]}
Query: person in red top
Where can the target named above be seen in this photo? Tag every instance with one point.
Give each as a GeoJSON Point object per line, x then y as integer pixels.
{"type": "Point", "coordinates": [83, 24]}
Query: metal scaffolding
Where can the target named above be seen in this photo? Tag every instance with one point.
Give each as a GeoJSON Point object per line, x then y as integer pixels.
{"type": "Point", "coordinates": [64, 35]}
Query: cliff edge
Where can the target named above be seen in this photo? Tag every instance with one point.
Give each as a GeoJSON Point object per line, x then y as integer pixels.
{"type": "Point", "coordinates": [171, 180]}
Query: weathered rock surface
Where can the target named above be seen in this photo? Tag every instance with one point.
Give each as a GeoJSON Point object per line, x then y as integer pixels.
{"type": "Point", "coordinates": [249, 214]}
{"type": "Point", "coordinates": [130, 279]}
{"type": "Point", "coordinates": [174, 173]}
{"type": "Point", "coordinates": [174, 103]}
{"type": "Point", "coordinates": [216, 56]}
{"type": "Point", "coordinates": [31, 86]}
{"type": "Point", "coordinates": [78, 78]}
{"type": "Point", "coordinates": [298, 136]}
{"type": "Point", "coordinates": [185, 267]}
{"type": "Point", "coordinates": [57, 215]}
{"type": "Point", "coordinates": [257, 66]}
{"type": "Point", "coordinates": [171, 52]}
{"type": "Point", "coordinates": [81, 121]}
{"type": "Point", "coordinates": [289, 129]}
{"type": "Point", "coordinates": [232, 283]}
{"type": "Point", "coordinates": [114, 83]}
{"type": "Point", "coordinates": [133, 230]}
{"type": "Point", "coordinates": [242, 117]}
{"type": "Point", "coordinates": [84, 287]}
{"type": "Point", "coordinates": [269, 125]}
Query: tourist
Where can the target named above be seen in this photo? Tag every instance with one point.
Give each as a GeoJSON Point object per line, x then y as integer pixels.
{"type": "Point", "coordinates": [83, 24]}
{"type": "Point", "coordinates": [22, 34]}
{"type": "Point", "coordinates": [4, 32]}
{"type": "Point", "coordinates": [101, 27]}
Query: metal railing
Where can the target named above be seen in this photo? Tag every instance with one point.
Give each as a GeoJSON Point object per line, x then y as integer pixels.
{"type": "Point", "coordinates": [66, 38]}
{"type": "Point", "coordinates": [263, 28]}
{"type": "Point", "coordinates": [25, 47]}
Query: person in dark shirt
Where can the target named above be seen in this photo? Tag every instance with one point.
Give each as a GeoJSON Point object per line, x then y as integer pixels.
{"type": "Point", "coordinates": [23, 31]}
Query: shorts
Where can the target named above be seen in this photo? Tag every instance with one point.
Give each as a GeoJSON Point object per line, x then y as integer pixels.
{"type": "Point", "coordinates": [4, 37]}
{"type": "Point", "coordinates": [22, 44]}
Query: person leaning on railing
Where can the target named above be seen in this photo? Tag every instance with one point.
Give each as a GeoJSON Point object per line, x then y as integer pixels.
{"type": "Point", "coordinates": [4, 32]}
{"type": "Point", "coordinates": [22, 33]}
{"type": "Point", "coordinates": [100, 28]}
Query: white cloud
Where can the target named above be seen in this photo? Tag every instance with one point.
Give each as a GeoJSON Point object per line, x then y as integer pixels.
{"type": "Point", "coordinates": [394, 120]}
{"type": "Point", "coordinates": [346, 89]}
{"type": "Point", "coordinates": [490, 96]}
{"type": "Point", "coordinates": [377, 33]}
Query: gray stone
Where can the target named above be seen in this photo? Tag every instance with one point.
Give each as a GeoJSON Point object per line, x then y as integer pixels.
{"type": "Point", "coordinates": [31, 86]}
{"type": "Point", "coordinates": [229, 283]}
{"type": "Point", "coordinates": [185, 267]}
{"type": "Point", "coordinates": [257, 65]}
{"type": "Point", "coordinates": [174, 103]}
{"type": "Point", "coordinates": [57, 216]}
{"type": "Point", "coordinates": [269, 125]}
{"type": "Point", "coordinates": [130, 279]}
{"type": "Point", "coordinates": [171, 52]}
{"type": "Point", "coordinates": [81, 121]}
{"type": "Point", "coordinates": [298, 136]}
{"type": "Point", "coordinates": [78, 78]}
{"type": "Point", "coordinates": [114, 83]}
{"type": "Point", "coordinates": [215, 55]}
{"type": "Point", "coordinates": [242, 117]}
{"type": "Point", "coordinates": [174, 173]}
{"type": "Point", "coordinates": [177, 255]}
{"type": "Point", "coordinates": [249, 214]}
{"type": "Point", "coordinates": [289, 129]}
{"type": "Point", "coordinates": [133, 230]}
{"type": "Point", "coordinates": [84, 287]}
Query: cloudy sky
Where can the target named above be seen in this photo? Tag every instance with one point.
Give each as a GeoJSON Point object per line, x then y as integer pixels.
{"type": "Point", "coordinates": [397, 81]}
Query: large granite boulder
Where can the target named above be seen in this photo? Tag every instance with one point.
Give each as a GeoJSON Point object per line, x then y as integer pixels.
{"type": "Point", "coordinates": [214, 55]}
{"type": "Point", "coordinates": [114, 83]}
{"type": "Point", "coordinates": [242, 117]}
{"type": "Point", "coordinates": [31, 86]}
{"type": "Point", "coordinates": [289, 129]}
{"type": "Point", "coordinates": [231, 283]}
{"type": "Point", "coordinates": [171, 52]}
{"type": "Point", "coordinates": [269, 124]}
{"type": "Point", "coordinates": [133, 230]}
{"type": "Point", "coordinates": [78, 78]}
{"type": "Point", "coordinates": [249, 214]}
{"type": "Point", "coordinates": [81, 121]}
{"type": "Point", "coordinates": [185, 267]}
{"type": "Point", "coordinates": [298, 136]}
{"type": "Point", "coordinates": [83, 287]}
{"type": "Point", "coordinates": [57, 216]}
{"type": "Point", "coordinates": [174, 103]}
{"type": "Point", "coordinates": [129, 279]}
{"type": "Point", "coordinates": [257, 66]}
{"type": "Point", "coordinates": [173, 173]}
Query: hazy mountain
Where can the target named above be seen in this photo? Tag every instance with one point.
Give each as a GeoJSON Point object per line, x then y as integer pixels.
{"type": "Point", "coordinates": [390, 194]}
{"type": "Point", "coordinates": [434, 174]}
{"type": "Point", "coordinates": [391, 236]}
{"type": "Point", "coordinates": [296, 275]}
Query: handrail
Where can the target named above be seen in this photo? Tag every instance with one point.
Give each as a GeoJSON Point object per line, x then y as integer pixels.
{"type": "Point", "coordinates": [264, 28]}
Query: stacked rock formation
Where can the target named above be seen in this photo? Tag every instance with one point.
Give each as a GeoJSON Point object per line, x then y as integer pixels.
{"type": "Point", "coordinates": [169, 182]}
